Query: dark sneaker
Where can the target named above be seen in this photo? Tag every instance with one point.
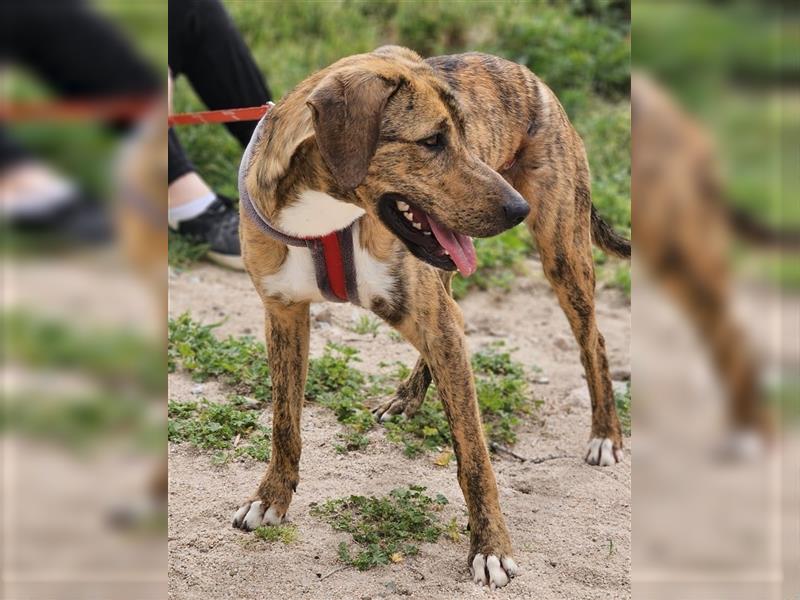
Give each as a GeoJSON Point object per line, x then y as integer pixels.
{"type": "Point", "coordinates": [218, 227]}
{"type": "Point", "coordinates": [79, 219]}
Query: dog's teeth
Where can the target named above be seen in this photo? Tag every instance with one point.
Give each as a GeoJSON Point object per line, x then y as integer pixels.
{"type": "Point", "coordinates": [402, 205]}
{"type": "Point", "coordinates": [417, 225]}
{"type": "Point", "coordinates": [409, 216]}
{"type": "Point", "coordinates": [426, 233]}
{"type": "Point", "coordinates": [446, 252]}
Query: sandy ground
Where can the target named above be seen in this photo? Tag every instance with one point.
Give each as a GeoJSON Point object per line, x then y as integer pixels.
{"type": "Point", "coordinates": [570, 523]}
{"type": "Point", "coordinates": [56, 502]}
{"type": "Point", "coordinates": [705, 527]}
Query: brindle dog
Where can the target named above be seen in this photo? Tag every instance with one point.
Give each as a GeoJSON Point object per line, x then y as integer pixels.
{"type": "Point", "coordinates": [457, 146]}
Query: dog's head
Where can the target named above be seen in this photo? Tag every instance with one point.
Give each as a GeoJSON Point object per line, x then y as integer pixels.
{"type": "Point", "coordinates": [391, 131]}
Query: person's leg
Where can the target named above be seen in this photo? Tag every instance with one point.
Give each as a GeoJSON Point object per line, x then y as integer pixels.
{"type": "Point", "coordinates": [11, 152]}
{"type": "Point", "coordinates": [189, 195]}
{"type": "Point", "coordinates": [197, 212]}
{"type": "Point", "coordinates": [206, 47]}
{"type": "Point", "coordinates": [80, 55]}
{"type": "Point", "coordinates": [27, 185]}
{"type": "Point", "coordinates": [77, 51]}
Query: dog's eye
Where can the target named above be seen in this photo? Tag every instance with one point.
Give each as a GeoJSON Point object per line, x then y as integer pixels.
{"type": "Point", "coordinates": [434, 141]}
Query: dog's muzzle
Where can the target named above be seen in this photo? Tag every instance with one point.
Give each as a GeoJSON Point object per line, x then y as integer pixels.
{"type": "Point", "coordinates": [515, 210]}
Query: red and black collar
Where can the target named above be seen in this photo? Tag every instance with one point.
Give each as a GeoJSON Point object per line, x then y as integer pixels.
{"type": "Point", "coordinates": [332, 254]}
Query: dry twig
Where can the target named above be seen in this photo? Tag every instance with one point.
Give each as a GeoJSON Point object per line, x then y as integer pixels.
{"type": "Point", "coordinates": [535, 461]}
{"type": "Point", "coordinates": [334, 571]}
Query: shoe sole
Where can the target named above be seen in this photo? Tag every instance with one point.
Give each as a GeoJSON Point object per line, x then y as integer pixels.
{"type": "Point", "coordinates": [230, 261]}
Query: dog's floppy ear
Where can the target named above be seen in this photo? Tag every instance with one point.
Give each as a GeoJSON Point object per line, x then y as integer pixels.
{"type": "Point", "coordinates": [346, 108]}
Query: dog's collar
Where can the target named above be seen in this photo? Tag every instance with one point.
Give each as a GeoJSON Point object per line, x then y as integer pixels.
{"type": "Point", "coordinates": [332, 254]}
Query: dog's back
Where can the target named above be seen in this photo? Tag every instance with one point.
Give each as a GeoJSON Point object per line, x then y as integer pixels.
{"type": "Point", "coordinates": [503, 103]}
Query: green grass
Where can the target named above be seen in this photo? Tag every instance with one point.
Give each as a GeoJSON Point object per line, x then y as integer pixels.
{"type": "Point", "coordinates": [120, 369]}
{"type": "Point", "coordinates": [499, 262]}
{"type": "Point", "coordinates": [384, 529]}
{"type": "Point", "coordinates": [239, 362]}
{"type": "Point", "coordinates": [79, 422]}
{"type": "Point", "coordinates": [183, 252]}
{"type": "Point", "coordinates": [366, 325]}
{"type": "Point", "coordinates": [334, 382]}
{"type": "Point", "coordinates": [503, 397]}
{"type": "Point", "coordinates": [285, 533]}
{"type": "Point", "coordinates": [216, 426]}
{"type": "Point", "coordinates": [622, 278]}
{"type": "Point", "coordinates": [612, 272]}
{"type": "Point", "coordinates": [726, 68]}
{"type": "Point", "coordinates": [606, 133]}
{"type": "Point", "coordinates": [112, 356]}
{"type": "Point", "coordinates": [623, 402]}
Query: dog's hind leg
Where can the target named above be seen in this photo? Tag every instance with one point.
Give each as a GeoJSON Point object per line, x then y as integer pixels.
{"type": "Point", "coordinates": [287, 347]}
{"type": "Point", "coordinates": [411, 392]}
{"type": "Point", "coordinates": [562, 232]}
{"type": "Point", "coordinates": [435, 328]}
{"type": "Point", "coordinates": [700, 282]}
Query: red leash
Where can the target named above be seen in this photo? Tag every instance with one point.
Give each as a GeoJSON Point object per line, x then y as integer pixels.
{"type": "Point", "coordinates": [226, 115]}
{"type": "Point", "coordinates": [131, 107]}
{"type": "Point", "coordinates": [88, 109]}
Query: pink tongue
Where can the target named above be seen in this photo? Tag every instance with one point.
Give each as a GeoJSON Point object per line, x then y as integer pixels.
{"type": "Point", "coordinates": [460, 247]}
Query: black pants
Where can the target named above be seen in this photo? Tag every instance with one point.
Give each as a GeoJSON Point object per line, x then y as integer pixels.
{"type": "Point", "coordinates": [75, 51]}
{"type": "Point", "coordinates": [206, 47]}
{"type": "Point", "coordinates": [81, 54]}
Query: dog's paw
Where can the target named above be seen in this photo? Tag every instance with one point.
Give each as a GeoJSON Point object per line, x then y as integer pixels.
{"type": "Point", "coordinates": [254, 514]}
{"type": "Point", "coordinates": [492, 570]}
{"type": "Point", "coordinates": [601, 451]}
{"type": "Point", "coordinates": [742, 446]}
{"type": "Point", "coordinates": [389, 409]}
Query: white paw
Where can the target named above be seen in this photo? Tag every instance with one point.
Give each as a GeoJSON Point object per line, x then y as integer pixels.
{"type": "Point", "coordinates": [743, 445]}
{"type": "Point", "coordinates": [252, 515]}
{"type": "Point", "coordinates": [600, 451]}
{"type": "Point", "coordinates": [389, 410]}
{"type": "Point", "coordinates": [493, 571]}
{"type": "Point", "coordinates": [390, 416]}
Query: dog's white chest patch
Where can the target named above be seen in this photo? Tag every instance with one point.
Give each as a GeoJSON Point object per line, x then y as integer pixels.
{"type": "Point", "coordinates": [316, 213]}
{"type": "Point", "coordinates": [296, 280]}
{"type": "Point", "coordinates": [373, 276]}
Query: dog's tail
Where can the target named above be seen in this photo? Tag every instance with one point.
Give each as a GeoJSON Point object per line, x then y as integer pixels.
{"type": "Point", "coordinates": [758, 233]}
{"type": "Point", "coordinates": [607, 239]}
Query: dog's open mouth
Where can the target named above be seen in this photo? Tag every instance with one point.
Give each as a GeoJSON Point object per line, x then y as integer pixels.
{"type": "Point", "coordinates": [426, 238]}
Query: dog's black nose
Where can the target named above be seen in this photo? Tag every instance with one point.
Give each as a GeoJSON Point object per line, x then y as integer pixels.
{"type": "Point", "coordinates": [515, 209]}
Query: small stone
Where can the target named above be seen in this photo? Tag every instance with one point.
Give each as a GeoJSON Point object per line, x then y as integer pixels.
{"type": "Point", "coordinates": [621, 375]}
{"type": "Point", "coordinates": [324, 316]}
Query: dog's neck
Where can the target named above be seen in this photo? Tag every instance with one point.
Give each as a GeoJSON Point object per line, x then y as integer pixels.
{"type": "Point", "coordinates": [315, 214]}
{"type": "Point", "coordinates": [305, 204]}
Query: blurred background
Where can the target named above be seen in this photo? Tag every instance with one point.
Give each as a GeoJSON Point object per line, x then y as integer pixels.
{"type": "Point", "coordinates": [716, 300]}
{"type": "Point", "coordinates": [85, 283]}
{"type": "Point", "coordinates": [83, 198]}
{"type": "Point", "coordinates": [716, 115]}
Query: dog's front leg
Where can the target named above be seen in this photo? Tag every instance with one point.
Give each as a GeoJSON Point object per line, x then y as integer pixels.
{"type": "Point", "coordinates": [410, 395]}
{"type": "Point", "coordinates": [287, 347]}
{"type": "Point", "coordinates": [438, 334]}
{"type": "Point", "coordinates": [411, 392]}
